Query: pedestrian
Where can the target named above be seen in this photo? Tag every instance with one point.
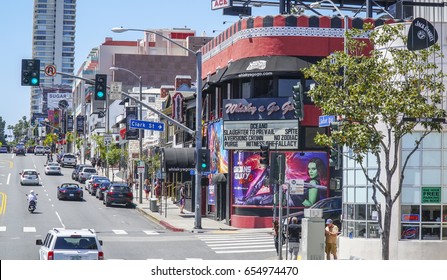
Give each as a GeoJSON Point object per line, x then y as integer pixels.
{"type": "Point", "coordinates": [182, 198]}
{"type": "Point", "coordinates": [99, 164]}
{"type": "Point", "coordinates": [146, 188]}
{"type": "Point", "coordinates": [294, 231]}
{"type": "Point", "coordinates": [130, 180]}
{"type": "Point", "coordinates": [331, 233]}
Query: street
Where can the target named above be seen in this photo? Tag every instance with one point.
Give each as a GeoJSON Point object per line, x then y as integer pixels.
{"type": "Point", "coordinates": [126, 233]}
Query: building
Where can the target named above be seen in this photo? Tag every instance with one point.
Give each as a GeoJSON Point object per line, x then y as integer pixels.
{"type": "Point", "coordinates": [54, 25]}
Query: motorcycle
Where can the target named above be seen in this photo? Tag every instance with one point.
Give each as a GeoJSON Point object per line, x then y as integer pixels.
{"type": "Point", "coordinates": [32, 204]}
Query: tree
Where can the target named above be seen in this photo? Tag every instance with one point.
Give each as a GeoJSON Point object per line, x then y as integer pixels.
{"type": "Point", "coordinates": [113, 156]}
{"type": "Point", "coordinates": [372, 90]}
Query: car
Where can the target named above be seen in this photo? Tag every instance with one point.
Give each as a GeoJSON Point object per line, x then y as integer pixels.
{"type": "Point", "coordinates": [4, 150]}
{"type": "Point", "coordinates": [47, 150]}
{"type": "Point", "coordinates": [53, 168]}
{"type": "Point", "coordinates": [29, 177]}
{"type": "Point", "coordinates": [70, 191]}
{"type": "Point", "coordinates": [332, 209]}
{"type": "Point", "coordinates": [118, 193]}
{"type": "Point", "coordinates": [70, 244]}
{"type": "Point", "coordinates": [77, 169]}
{"type": "Point", "coordinates": [68, 160]}
{"type": "Point", "coordinates": [20, 150]}
{"type": "Point", "coordinates": [103, 187]}
{"type": "Point", "coordinates": [30, 149]}
{"type": "Point", "coordinates": [85, 173]}
{"type": "Point", "coordinates": [39, 150]}
{"type": "Point", "coordinates": [93, 182]}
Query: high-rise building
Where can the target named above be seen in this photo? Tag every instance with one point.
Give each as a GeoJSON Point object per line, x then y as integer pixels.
{"type": "Point", "coordinates": [54, 44]}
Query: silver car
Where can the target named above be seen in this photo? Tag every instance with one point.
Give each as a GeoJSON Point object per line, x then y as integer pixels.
{"type": "Point", "coordinates": [85, 173]}
{"type": "Point", "coordinates": [29, 177]}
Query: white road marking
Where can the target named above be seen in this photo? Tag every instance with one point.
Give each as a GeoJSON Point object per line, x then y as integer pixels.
{"type": "Point", "coordinates": [29, 229]}
{"type": "Point", "coordinates": [2, 228]}
{"type": "Point", "coordinates": [119, 231]}
{"type": "Point", "coordinates": [150, 232]}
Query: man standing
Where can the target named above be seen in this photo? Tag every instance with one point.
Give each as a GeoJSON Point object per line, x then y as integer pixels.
{"type": "Point", "coordinates": [182, 198]}
{"type": "Point", "coordinates": [294, 231]}
{"type": "Point", "coordinates": [331, 233]}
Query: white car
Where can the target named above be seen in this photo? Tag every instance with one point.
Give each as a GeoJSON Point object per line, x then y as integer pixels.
{"type": "Point", "coordinates": [29, 177]}
{"type": "Point", "coordinates": [39, 150]}
{"type": "Point", "coordinates": [70, 244]}
{"type": "Point", "coordinates": [85, 173]}
{"type": "Point", "coordinates": [53, 168]}
{"type": "Point", "coordinates": [68, 160]}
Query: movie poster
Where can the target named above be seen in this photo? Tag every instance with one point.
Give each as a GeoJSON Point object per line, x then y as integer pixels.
{"type": "Point", "coordinates": [218, 155]}
{"type": "Point", "coordinates": [250, 186]}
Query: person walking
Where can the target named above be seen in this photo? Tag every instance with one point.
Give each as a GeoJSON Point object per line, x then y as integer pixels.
{"type": "Point", "coordinates": [276, 237]}
{"type": "Point", "coordinates": [294, 231]}
{"type": "Point", "coordinates": [146, 188]}
{"type": "Point", "coordinates": [182, 198]}
{"type": "Point", "coordinates": [331, 233]}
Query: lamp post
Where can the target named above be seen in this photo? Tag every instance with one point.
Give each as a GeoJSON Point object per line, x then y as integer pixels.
{"type": "Point", "coordinates": [317, 5]}
{"type": "Point", "coordinates": [140, 131]}
{"type": "Point", "coordinates": [198, 132]}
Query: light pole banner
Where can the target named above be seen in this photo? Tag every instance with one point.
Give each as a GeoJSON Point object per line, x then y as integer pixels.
{"type": "Point", "coordinates": [131, 114]}
{"type": "Point", "coordinates": [54, 99]}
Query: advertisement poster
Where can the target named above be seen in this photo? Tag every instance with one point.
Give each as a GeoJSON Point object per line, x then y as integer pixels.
{"type": "Point", "coordinates": [218, 155]}
{"type": "Point", "coordinates": [211, 195]}
{"type": "Point", "coordinates": [251, 188]}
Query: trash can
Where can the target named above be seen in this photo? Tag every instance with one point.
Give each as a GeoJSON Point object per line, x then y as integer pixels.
{"type": "Point", "coordinates": [153, 205]}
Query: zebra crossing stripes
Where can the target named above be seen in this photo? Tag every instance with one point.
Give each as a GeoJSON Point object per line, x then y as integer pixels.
{"type": "Point", "coordinates": [115, 231]}
{"type": "Point", "coordinates": [239, 243]}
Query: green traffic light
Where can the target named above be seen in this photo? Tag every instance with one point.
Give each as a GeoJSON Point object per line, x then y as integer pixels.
{"type": "Point", "coordinates": [34, 81]}
{"type": "Point", "coordinates": [100, 94]}
{"type": "Point", "coordinates": [203, 165]}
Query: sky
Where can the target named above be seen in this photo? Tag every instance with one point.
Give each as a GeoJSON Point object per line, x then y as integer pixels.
{"type": "Point", "coordinates": [94, 21]}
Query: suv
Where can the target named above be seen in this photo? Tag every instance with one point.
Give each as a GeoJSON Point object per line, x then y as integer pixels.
{"type": "Point", "coordinates": [68, 159]}
{"type": "Point", "coordinates": [77, 169]}
{"type": "Point", "coordinates": [70, 244]}
{"type": "Point", "coordinates": [39, 150]}
{"type": "Point", "coordinates": [47, 150]}
{"type": "Point", "coordinates": [118, 193]}
{"type": "Point", "coordinates": [85, 173]}
{"type": "Point", "coordinates": [20, 150]}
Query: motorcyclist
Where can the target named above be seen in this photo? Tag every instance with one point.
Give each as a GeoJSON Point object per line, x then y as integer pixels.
{"type": "Point", "coordinates": [32, 197]}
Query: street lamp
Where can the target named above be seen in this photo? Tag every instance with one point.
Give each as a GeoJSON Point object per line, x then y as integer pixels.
{"type": "Point", "coordinates": [140, 131]}
{"type": "Point", "coordinates": [198, 132]}
{"type": "Point", "coordinates": [317, 5]}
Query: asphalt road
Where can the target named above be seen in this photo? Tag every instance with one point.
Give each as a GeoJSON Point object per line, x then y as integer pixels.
{"type": "Point", "coordinates": [126, 234]}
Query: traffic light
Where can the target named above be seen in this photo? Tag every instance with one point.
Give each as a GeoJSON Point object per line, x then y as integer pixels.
{"type": "Point", "coordinates": [277, 168]}
{"type": "Point", "coordinates": [203, 159]}
{"type": "Point", "coordinates": [100, 87]}
{"type": "Point", "coordinates": [298, 101]}
{"type": "Point", "coordinates": [30, 72]}
{"type": "Point", "coordinates": [265, 149]}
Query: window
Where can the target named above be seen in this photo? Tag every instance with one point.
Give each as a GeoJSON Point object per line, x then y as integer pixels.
{"type": "Point", "coordinates": [263, 87]}
{"type": "Point", "coordinates": [285, 87]}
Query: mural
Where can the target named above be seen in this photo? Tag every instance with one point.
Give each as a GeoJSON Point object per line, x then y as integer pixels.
{"type": "Point", "coordinates": [250, 186]}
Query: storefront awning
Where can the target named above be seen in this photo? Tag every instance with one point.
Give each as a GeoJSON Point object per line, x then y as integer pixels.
{"type": "Point", "coordinates": [178, 159]}
{"type": "Point", "coordinates": [215, 78]}
{"type": "Point", "coordinates": [218, 178]}
{"type": "Point", "coordinates": [261, 66]}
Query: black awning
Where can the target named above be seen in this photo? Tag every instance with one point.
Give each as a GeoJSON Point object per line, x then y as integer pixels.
{"type": "Point", "coordinates": [218, 178]}
{"type": "Point", "coordinates": [214, 79]}
{"type": "Point", "coordinates": [178, 159]}
{"type": "Point", "coordinates": [261, 66]}
{"type": "Point", "coordinates": [123, 102]}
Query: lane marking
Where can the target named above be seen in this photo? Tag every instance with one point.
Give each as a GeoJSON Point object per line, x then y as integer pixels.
{"type": "Point", "coordinates": [119, 231]}
{"type": "Point", "coordinates": [2, 228]}
{"type": "Point", "coordinates": [9, 177]}
{"type": "Point", "coordinates": [60, 220]}
{"type": "Point", "coordinates": [3, 203]}
{"type": "Point", "coordinates": [29, 229]}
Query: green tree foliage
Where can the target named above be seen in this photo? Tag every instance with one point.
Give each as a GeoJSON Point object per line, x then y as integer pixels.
{"type": "Point", "coordinates": [372, 90]}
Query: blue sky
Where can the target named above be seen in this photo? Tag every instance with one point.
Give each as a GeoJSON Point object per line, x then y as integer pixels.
{"type": "Point", "coordinates": [95, 18]}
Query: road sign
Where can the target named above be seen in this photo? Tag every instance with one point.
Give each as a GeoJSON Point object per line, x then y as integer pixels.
{"type": "Point", "coordinates": [325, 121]}
{"type": "Point", "coordinates": [50, 70]}
{"type": "Point", "coordinates": [437, 120]}
{"type": "Point", "coordinates": [147, 125]}
{"type": "Point", "coordinates": [107, 139]}
{"type": "Point", "coordinates": [115, 90]}
{"type": "Point", "coordinates": [296, 186]}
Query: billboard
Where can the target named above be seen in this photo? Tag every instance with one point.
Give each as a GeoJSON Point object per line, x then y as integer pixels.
{"type": "Point", "coordinates": [218, 154]}
{"type": "Point", "coordinates": [56, 99]}
{"type": "Point", "coordinates": [251, 188]}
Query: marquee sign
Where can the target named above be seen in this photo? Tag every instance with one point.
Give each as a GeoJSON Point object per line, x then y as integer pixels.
{"type": "Point", "coordinates": [249, 135]}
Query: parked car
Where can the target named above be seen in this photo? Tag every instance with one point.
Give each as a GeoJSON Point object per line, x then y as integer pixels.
{"type": "Point", "coordinates": [47, 150]}
{"type": "Point", "coordinates": [20, 150]}
{"type": "Point", "coordinates": [70, 244]}
{"type": "Point", "coordinates": [39, 150]}
{"type": "Point", "coordinates": [77, 169]}
{"type": "Point", "coordinates": [93, 182]}
{"type": "Point", "coordinates": [68, 160]}
{"type": "Point", "coordinates": [85, 173]}
{"type": "Point", "coordinates": [103, 187]}
{"type": "Point", "coordinates": [70, 191]}
{"type": "Point", "coordinates": [29, 177]}
{"type": "Point", "coordinates": [53, 168]}
{"type": "Point", "coordinates": [4, 150]}
{"type": "Point", "coordinates": [332, 209]}
{"type": "Point", "coordinates": [118, 193]}
{"type": "Point", "coordinates": [30, 149]}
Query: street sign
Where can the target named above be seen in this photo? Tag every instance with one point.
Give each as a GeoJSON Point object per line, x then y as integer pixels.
{"type": "Point", "coordinates": [296, 186]}
{"type": "Point", "coordinates": [50, 70]}
{"type": "Point", "coordinates": [438, 120]}
{"type": "Point", "coordinates": [115, 90]}
{"type": "Point", "coordinates": [137, 124]}
{"type": "Point", "coordinates": [140, 167]}
{"type": "Point", "coordinates": [325, 121]}
{"type": "Point", "coordinates": [107, 139]}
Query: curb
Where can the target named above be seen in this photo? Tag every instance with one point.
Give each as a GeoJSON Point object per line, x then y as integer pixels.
{"type": "Point", "coordinates": [161, 222]}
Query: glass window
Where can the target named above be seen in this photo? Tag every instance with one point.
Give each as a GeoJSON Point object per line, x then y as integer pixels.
{"type": "Point", "coordinates": [431, 176]}
{"type": "Point", "coordinates": [412, 176]}
{"type": "Point", "coordinates": [373, 230]}
{"type": "Point", "coordinates": [408, 141]}
{"type": "Point", "coordinates": [431, 158]}
{"type": "Point", "coordinates": [410, 213]}
{"type": "Point", "coordinates": [245, 89]}
{"type": "Point", "coordinates": [411, 195]}
{"type": "Point", "coordinates": [431, 213]}
{"type": "Point", "coordinates": [432, 141]}
{"type": "Point", "coordinates": [414, 160]}
{"type": "Point", "coordinates": [360, 178]}
{"type": "Point", "coordinates": [431, 231]}
{"type": "Point", "coordinates": [372, 161]}
{"type": "Point", "coordinates": [360, 211]}
{"type": "Point", "coordinates": [263, 87]}
{"type": "Point", "coordinates": [444, 232]}
{"type": "Point", "coordinates": [351, 195]}
{"type": "Point", "coordinates": [350, 177]}
{"type": "Point", "coordinates": [409, 231]}
{"type": "Point", "coordinates": [285, 87]}
{"type": "Point", "coordinates": [360, 195]}
{"type": "Point", "coordinates": [444, 196]}
{"type": "Point", "coordinates": [372, 214]}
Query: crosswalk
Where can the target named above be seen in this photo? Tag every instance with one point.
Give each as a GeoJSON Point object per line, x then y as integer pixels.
{"type": "Point", "coordinates": [235, 243]}
{"type": "Point", "coordinates": [27, 229]}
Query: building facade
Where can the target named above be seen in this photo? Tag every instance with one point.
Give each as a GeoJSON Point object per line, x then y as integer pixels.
{"type": "Point", "coordinates": [54, 25]}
